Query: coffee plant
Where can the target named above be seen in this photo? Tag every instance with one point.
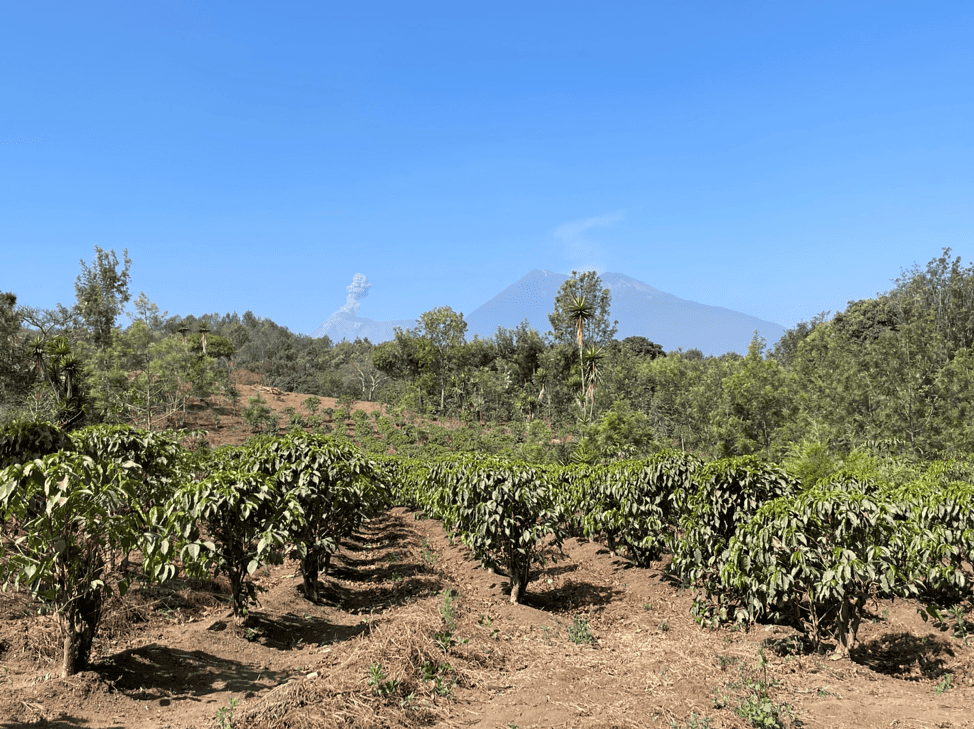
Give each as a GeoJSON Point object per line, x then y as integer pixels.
{"type": "Point", "coordinates": [25, 440]}
{"type": "Point", "coordinates": [334, 489]}
{"type": "Point", "coordinates": [506, 513]}
{"type": "Point", "coordinates": [814, 560]}
{"type": "Point", "coordinates": [162, 461]}
{"type": "Point", "coordinates": [727, 493]}
{"type": "Point", "coordinates": [67, 521]}
{"type": "Point", "coordinates": [243, 516]}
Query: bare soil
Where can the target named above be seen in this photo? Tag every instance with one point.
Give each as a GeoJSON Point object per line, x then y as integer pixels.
{"type": "Point", "coordinates": [599, 643]}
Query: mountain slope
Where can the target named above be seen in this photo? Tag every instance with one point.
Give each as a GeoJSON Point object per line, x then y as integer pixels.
{"type": "Point", "coordinates": [639, 308]}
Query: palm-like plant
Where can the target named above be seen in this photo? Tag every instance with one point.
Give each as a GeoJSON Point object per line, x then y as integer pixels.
{"type": "Point", "coordinates": [592, 373]}
{"type": "Point", "coordinates": [581, 310]}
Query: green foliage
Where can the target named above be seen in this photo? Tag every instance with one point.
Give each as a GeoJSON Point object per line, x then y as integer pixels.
{"type": "Point", "coordinates": [813, 560]}
{"type": "Point", "coordinates": [69, 522]}
{"type": "Point", "coordinates": [332, 487]}
{"type": "Point", "coordinates": [579, 631]}
{"type": "Point", "coordinates": [102, 291]}
{"type": "Point", "coordinates": [147, 375]}
{"type": "Point", "coordinates": [379, 683]}
{"type": "Point", "coordinates": [447, 611]}
{"type": "Point", "coordinates": [728, 492]}
{"type": "Point", "coordinates": [163, 462]}
{"type": "Point", "coordinates": [632, 502]}
{"type": "Point", "coordinates": [582, 297]}
{"type": "Point", "coordinates": [224, 715]}
{"type": "Point", "coordinates": [259, 416]}
{"type": "Point", "coordinates": [244, 515]}
{"type": "Point", "coordinates": [756, 404]}
{"type": "Point", "coordinates": [945, 684]}
{"type": "Point", "coordinates": [16, 374]}
{"type": "Point", "coordinates": [503, 510]}
{"type": "Point", "coordinates": [24, 440]}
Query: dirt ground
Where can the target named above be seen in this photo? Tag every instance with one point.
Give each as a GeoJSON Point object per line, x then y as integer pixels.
{"type": "Point", "coordinates": [413, 632]}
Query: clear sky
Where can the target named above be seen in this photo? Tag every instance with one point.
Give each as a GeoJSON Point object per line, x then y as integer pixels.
{"type": "Point", "coordinates": [778, 158]}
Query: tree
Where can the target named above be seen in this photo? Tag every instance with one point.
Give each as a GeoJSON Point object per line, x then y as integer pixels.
{"type": "Point", "coordinates": [755, 405]}
{"type": "Point", "coordinates": [67, 520]}
{"type": "Point", "coordinates": [102, 291]}
{"type": "Point", "coordinates": [443, 332]}
{"type": "Point", "coordinates": [582, 314]}
{"type": "Point", "coordinates": [585, 287]}
{"type": "Point", "coordinates": [146, 375]}
{"type": "Point", "coordinates": [15, 370]}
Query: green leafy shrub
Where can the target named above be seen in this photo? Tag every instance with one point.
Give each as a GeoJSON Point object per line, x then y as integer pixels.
{"type": "Point", "coordinates": [68, 520]}
{"type": "Point", "coordinates": [333, 488]}
{"type": "Point", "coordinates": [259, 416]}
{"type": "Point", "coordinates": [162, 460]}
{"type": "Point", "coordinates": [24, 440]}
{"type": "Point", "coordinates": [244, 515]}
{"type": "Point", "coordinates": [503, 510]}
{"type": "Point", "coordinates": [727, 493]}
{"type": "Point", "coordinates": [632, 502]}
{"type": "Point", "coordinates": [813, 560]}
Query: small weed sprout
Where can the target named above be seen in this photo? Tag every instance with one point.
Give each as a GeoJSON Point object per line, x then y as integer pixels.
{"type": "Point", "coordinates": [664, 627]}
{"type": "Point", "coordinates": [694, 722]}
{"type": "Point", "coordinates": [446, 611]}
{"type": "Point", "coordinates": [382, 685]}
{"type": "Point", "coordinates": [579, 631]}
{"type": "Point", "coordinates": [944, 685]}
{"type": "Point", "coordinates": [224, 715]}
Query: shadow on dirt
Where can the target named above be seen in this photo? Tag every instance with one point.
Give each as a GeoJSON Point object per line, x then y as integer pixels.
{"type": "Point", "coordinates": [154, 672]}
{"type": "Point", "coordinates": [291, 631]}
{"type": "Point", "coordinates": [906, 656]}
{"type": "Point", "coordinates": [350, 572]}
{"type": "Point", "coordinates": [382, 597]}
{"type": "Point", "coordinates": [62, 722]}
{"type": "Point", "coordinates": [570, 597]}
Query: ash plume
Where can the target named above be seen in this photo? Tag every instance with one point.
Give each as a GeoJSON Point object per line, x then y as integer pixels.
{"type": "Point", "coordinates": [358, 289]}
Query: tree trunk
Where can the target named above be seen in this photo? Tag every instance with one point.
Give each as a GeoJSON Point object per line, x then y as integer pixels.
{"type": "Point", "coordinates": [850, 614]}
{"type": "Point", "coordinates": [519, 574]}
{"type": "Point", "coordinates": [79, 621]}
{"type": "Point", "coordinates": [310, 570]}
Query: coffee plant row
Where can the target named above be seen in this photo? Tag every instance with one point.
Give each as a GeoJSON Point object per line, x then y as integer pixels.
{"type": "Point", "coordinates": [750, 539]}
{"type": "Point", "coordinates": [746, 536]}
{"type": "Point", "coordinates": [76, 508]}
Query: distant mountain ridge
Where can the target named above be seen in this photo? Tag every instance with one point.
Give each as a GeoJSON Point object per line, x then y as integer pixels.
{"type": "Point", "coordinates": [346, 325]}
{"type": "Point", "coordinates": [641, 310]}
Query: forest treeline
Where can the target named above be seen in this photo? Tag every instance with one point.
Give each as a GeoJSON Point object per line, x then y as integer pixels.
{"type": "Point", "coordinates": [892, 376]}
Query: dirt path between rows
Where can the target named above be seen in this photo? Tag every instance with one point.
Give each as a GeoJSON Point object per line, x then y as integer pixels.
{"type": "Point", "coordinates": [600, 643]}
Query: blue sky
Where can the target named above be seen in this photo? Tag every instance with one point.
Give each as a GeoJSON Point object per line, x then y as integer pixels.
{"type": "Point", "coordinates": [776, 158]}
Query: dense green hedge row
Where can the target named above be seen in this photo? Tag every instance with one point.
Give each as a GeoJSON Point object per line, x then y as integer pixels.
{"type": "Point", "coordinates": [751, 540]}
{"type": "Point", "coordinates": [76, 508]}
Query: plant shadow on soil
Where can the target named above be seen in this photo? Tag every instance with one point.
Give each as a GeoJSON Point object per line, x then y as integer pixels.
{"type": "Point", "coordinates": [151, 671]}
{"type": "Point", "coordinates": [379, 598]}
{"type": "Point", "coordinates": [291, 631]}
{"type": "Point", "coordinates": [905, 656]}
{"type": "Point", "coordinates": [570, 596]}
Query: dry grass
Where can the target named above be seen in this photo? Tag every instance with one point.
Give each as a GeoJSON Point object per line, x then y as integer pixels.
{"type": "Point", "coordinates": [339, 694]}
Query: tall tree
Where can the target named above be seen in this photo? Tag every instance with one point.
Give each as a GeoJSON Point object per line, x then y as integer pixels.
{"type": "Point", "coordinates": [598, 328]}
{"type": "Point", "coordinates": [102, 290]}
{"type": "Point", "coordinates": [15, 370]}
{"type": "Point", "coordinates": [444, 332]}
{"type": "Point", "coordinates": [581, 315]}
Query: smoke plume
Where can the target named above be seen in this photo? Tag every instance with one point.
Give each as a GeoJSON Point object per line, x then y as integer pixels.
{"type": "Point", "coordinates": [358, 289]}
